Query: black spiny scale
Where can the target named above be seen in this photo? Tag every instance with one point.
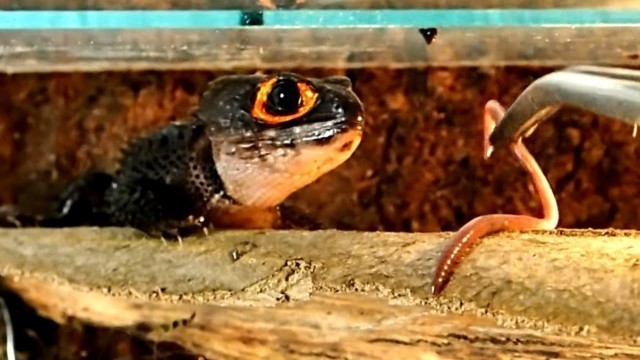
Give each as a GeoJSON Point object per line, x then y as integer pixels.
{"type": "Point", "coordinates": [165, 176]}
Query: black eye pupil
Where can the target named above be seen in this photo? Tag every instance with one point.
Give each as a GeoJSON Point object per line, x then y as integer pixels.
{"type": "Point", "coordinates": [284, 98]}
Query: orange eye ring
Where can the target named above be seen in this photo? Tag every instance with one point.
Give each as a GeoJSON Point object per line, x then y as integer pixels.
{"type": "Point", "coordinates": [308, 98]}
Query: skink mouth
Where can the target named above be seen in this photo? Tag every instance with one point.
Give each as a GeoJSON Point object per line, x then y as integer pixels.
{"type": "Point", "coordinates": [265, 170]}
{"type": "Point", "coordinates": [317, 130]}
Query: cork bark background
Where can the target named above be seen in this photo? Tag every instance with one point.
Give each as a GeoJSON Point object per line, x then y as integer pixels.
{"type": "Point", "coordinates": [419, 167]}
{"type": "Point", "coordinates": [364, 295]}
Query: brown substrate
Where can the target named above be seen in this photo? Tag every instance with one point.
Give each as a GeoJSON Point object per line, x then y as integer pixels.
{"type": "Point", "coordinates": [419, 167]}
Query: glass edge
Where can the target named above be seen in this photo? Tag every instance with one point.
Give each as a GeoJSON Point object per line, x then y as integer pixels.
{"type": "Point", "coordinates": [262, 48]}
{"type": "Point", "coordinates": [252, 5]}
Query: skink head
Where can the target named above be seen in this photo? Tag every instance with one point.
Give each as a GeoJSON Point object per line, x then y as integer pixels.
{"type": "Point", "coordinates": [272, 135]}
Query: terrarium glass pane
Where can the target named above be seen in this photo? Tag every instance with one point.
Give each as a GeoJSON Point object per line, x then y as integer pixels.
{"type": "Point", "coordinates": [307, 4]}
{"type": "Point", "coordinates": [96, 35]}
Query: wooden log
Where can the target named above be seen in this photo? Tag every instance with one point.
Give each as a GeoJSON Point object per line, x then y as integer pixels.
{"type": "Point", "coordinates": [575, 292]}
{"type": "Point", "coordinates": [325, 327]}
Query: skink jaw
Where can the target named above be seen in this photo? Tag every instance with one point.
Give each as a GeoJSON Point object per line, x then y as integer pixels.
{"type": "Point", "coordinates": [264, 163]}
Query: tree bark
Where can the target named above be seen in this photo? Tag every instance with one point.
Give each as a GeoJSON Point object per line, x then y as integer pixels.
{"type": "Point", "coordinates": [337, 294]}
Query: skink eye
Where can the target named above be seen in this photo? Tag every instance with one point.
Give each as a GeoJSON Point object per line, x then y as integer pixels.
{"type": "Point", "coordinates": [283, 99]}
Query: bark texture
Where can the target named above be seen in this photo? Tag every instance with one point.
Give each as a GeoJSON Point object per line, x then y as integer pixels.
{"type": "Point", "coordinates": [324, 327]}
{"type": "Point", "coordinates": [323, 294]}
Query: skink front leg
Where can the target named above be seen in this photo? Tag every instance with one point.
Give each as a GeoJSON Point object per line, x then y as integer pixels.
{"type": "Point", "coordinates": [481, 226]}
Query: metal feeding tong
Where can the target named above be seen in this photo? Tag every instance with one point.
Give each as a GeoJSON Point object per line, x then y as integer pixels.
{"type": "Point", "coordinates": [608, 91]}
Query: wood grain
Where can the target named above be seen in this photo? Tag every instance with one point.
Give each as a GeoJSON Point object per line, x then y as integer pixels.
{"type": "Point", "coordinates": [324, 327]}
{"type": "Point", "coordinates": [573, 280]}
